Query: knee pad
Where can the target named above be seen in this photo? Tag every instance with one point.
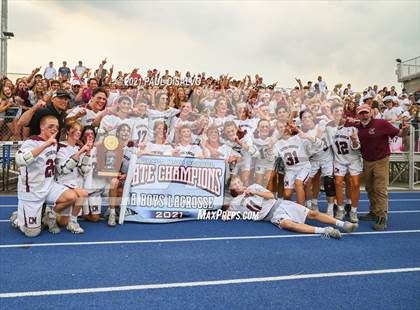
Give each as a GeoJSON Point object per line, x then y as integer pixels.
{"type": "Point", "coordinates": [32, 232]}
{"type": "Point", "coordinates": [329, 186]}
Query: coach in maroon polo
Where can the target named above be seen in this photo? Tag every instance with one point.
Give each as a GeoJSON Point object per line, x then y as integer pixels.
{"type": "Point", "coordinates": [374, 137]}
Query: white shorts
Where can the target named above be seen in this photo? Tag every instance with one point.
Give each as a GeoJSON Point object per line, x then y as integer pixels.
{"type": "Point", "coordinates": [287, 210]}
{"type": "Point", "coordinates": [292, 175]}
{"type": "Point", "coordinates": [354, 168]}
{"type": "Point", "coordinates": [326, 168]}
{"type": "Point", "coordinates": [244, 164]}
{"type": "Point", "coordinates": [55, 192]}
{"type": "Point", "coordinates": [93, 205]}
{"type": "Point", "coordinates": [263, 165]}
{"type": "Point", "coordinates": [30, 213]}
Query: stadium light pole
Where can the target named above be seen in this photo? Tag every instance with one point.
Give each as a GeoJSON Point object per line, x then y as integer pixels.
{"type": "Point", "coordinates": [4, 36]}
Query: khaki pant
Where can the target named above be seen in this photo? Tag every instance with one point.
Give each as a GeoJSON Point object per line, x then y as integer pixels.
{"type": "Point", "coordinates": [376, 175]}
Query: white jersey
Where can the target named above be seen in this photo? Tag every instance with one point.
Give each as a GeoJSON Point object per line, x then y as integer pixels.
{"type": "Point", "coordinates": [159, 149]}
{"type": "Point", "coordinates": [249, 124]}
{"type": "Point", "coordinates": [190, 150]}
{"type": "Point", "coordinates": [254, 203]}
{"type": "Point", "coordinates": [139, 129]}
{"type": "Point", "coordinates": [73, 179]}
{"type": "Point", "coordinates": [246, 139]}
{"type": "Point", "coordinates": [340, 141]}
{"type": "Point", "coordinates": [36, 179]}
{"type": "Point", "coordinates": [177, 122]}
{"type": "Point", "coordinates": [220, 121]}
{"type": "Point", "coordinates": [224, 152]}
{"type": "Point", "coordinates": [87, 119]}
{"type": "Point", "coordinates": [326, 153]}
{"type": "Point", "coordinates": [112, 121]}
{"type": "Point", "coordinates": [296, 151]}
{"type": "Point", "coordinates": [156, 115]}
{"type": "Point", "coordinates": [263, 148]}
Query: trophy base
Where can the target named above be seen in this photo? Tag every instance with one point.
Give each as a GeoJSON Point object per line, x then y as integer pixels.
{"type": "Point", "coordinates": [108, 173]}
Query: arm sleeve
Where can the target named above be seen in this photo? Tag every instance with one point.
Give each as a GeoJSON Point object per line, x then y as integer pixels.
{"type": "Point", "coordinates": [390, 130]}
{"type": "Point", "coordinates": [24, 155]}
{"type": "Point", "coordinates": [64, 163]}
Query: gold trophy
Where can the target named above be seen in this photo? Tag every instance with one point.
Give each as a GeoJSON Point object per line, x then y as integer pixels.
{"type": "Point", "coordinates": [109, 156]}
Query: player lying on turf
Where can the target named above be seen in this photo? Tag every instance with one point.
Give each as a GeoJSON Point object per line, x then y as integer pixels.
{"type": "Point", "coordinates": [282, 213]}
{"type": "Point", "coordinates": [36, 186]}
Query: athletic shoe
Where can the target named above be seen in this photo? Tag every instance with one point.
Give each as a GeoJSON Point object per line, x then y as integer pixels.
{"type": "Point", "coordinates": [331, 232]}
{"type": "Point", "coordinates": [75, 228]}
{"type": "Point", "coordinates": [50, 221]}
{"type": "Point", "coordinates": [347, 207]}
{"type": "Point", "coordinates": [368, 217]}
{"type": "Point", "coordinates": [350, 227]}
{"type": "Point", "coordinates": [13, 220]}
{"type": "Point", "coordinates": [340, 214]}
{"type": "Point", "coordinates": [353, 217]}
{"type": "Point", "coordinates": [381, 223]}
{"type": "Point", "coordinates": [112, 220]}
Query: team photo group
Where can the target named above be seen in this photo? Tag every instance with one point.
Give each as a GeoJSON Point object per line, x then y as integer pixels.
{"type": "Point", "coordinates": [279, 147]}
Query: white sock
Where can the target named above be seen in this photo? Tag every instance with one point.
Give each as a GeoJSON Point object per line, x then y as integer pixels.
{"type": "Point", "coordinates": [315, 201]}
{"type": "Point", "coordinates": [111, 211]}
{"type": "Point", "coordinates": [308, 204]}
{"type": "Point", "coordinates": [73, 218]}
{"type": "Point", "coordinates": [354, 210]}
{"type": "Point", "coordinates": [341, 208]}
{"type": "Point", "coordinates": [348, 201]}
{"type": "Point", "coordinates": [319, 230]}
{"type": "Point", "coordinates": [339, 223]}
{"type": "Point", "coordinates": [330, 206]}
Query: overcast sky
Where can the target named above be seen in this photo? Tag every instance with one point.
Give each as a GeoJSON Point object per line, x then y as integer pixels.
{"type": "Point", "coordinates": [344, 41]}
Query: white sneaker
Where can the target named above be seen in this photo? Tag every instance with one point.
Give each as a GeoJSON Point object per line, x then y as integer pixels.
{"type": "Point", "coordinates": [50, 221]}
{"type": "Point", "coordinates": [112, 220]}
{"type": "Point", "coordinates": [350, 227]}
{"type": "Point", "coordinates": [331, 232]}
{"type": "Point", "coordinates": [340, 214]}
{"type": "Point", "coordinates": [14, 220]}
{"type": "Point", "coordinates": [75, 228]}
{"type": "Point", "coordinates": [353, 217]}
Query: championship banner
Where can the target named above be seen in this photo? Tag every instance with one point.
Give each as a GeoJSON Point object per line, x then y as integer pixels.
{"type": "Point", "coordinates": [163, 189]}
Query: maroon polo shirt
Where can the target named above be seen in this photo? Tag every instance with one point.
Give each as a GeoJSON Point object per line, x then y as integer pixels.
{"type": "Point", "coordinates": [374, 139]}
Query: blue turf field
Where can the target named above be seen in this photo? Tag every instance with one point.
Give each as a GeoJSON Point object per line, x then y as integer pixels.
{"type": "Point", "coordinates": [223, 265]}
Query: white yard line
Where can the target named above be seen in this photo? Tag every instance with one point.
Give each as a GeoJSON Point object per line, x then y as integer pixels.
{"type": "Point", "coordinates": [206, 283]}
{"type": "Point", "coordinates": [204, 239]}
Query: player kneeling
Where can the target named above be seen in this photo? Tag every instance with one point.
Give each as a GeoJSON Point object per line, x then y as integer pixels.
{"type": "Point", "coordinates": [72, 164]}
{"type": "Point", "coordinates": [282, 213]}
{"type": "Point", "coordinates": [36, 160]}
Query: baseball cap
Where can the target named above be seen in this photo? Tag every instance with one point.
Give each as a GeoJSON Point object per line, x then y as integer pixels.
{"type": "Point", "coordinates": [61, 93]}
{"type": "Point", "coordinates": [75, 82]}
{"type": "Point", "coordinates": [363, 108]}
{"type": "Point", "coordinates": [367, 96]}
{"type": "Point", "coordinates": [388, 98]}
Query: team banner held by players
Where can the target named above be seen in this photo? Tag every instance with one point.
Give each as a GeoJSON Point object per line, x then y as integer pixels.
{"type": "Point", "coordinates": [163, 189]}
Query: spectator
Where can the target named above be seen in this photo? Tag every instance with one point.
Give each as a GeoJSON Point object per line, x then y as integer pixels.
{"type": "Point", "coordinates": [374, 137]}
{"type": "Point", "coordinates": [50, 73]}
{"type": "Point", "coordinates": [80, 69]}
{"type": "Point", "coordinates": [64, 72]}
{"type": "Point", "coordinates": [322, 85]}
{"type": "Point", "coordinates": [57, 107]}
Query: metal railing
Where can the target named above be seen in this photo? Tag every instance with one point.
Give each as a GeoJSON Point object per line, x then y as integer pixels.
{"type": "Point", "coordinates": [408, 68]}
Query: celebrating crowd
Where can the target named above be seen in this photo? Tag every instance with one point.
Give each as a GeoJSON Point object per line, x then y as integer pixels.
{"type": "Point", "coordinates": [274, 141]}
